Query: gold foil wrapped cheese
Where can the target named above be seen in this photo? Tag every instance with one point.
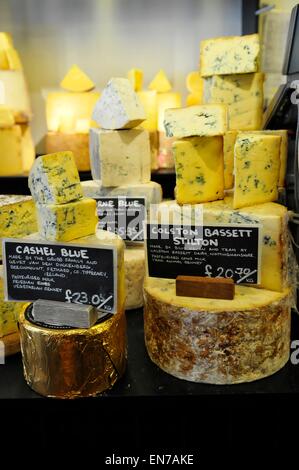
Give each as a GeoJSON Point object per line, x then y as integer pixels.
{"type": "Point", "coordinates": [73, 363]}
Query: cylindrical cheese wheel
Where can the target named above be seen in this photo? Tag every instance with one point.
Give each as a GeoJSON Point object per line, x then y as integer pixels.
{"type": "Point", "coordinates": [217, 341]}
{"type": "Point", "coordinates": [72, 363]}
{"type": "Point", "coordinates": [134, 276]}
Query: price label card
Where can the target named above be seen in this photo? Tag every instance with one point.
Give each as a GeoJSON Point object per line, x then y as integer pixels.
{"type": "Point", "coordinates": [231, 251]}
{"type": "Point", "coordinates": [124, 216]}
{"type": "Point", "coordinates": [66, 273]}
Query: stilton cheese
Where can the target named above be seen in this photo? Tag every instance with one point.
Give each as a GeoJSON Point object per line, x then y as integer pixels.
{"type": "Point", "coordinates": [134, 276]}
{"type": "Point", "coordinates": [205, 120]}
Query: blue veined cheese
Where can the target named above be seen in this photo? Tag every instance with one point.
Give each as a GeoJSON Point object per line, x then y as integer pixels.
{"type": "Point", "coordinates": [119, 106]}
{"type": "Point", "coordinates": [9, 312]}
{"type": "Point", "coordinates": [65, 222]}
{"type": "Point", "coordinates": [214, 340]}
{"type": "Point", "coordinates": [134, 276]}
{"type": "Point", "coordinates": [243, 95]}
{"type": "Point", "coordinates": [256, 169]}
{"type": "Point", "coordinates": [229, 55]}
{"type": "Point", "coordinates": [54, 179]}
{"type": "Point", "coordinates": [17, 217]}
{"type": "Point", "coordinates": [102, 239]}
{"type": "Point", "coordinates": [202, 120]}
{"type": "Point", "coordinates": [151, 191]}
{"type": "Point", "coordinates": [273, 218]}
{"type": "Point", "coordinates": [120, 157]}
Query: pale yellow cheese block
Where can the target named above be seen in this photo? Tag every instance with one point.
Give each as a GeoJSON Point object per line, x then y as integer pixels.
{"type": "Point", "coordinates": [14, 94]}
{"type": "Point", "coordinates": [136, 78]}
{"type": "Point", "coordinates": [134, 276]}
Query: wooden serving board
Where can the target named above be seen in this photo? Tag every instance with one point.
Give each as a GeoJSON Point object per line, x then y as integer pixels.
{"type": "Point", "coordinates": [11, 344]}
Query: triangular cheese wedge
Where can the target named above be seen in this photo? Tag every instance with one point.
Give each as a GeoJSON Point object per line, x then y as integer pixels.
{"type": "Point", "coordinates": [76, 80]}
{"type": "Point", "coordinates": [6, 117]}
{"type": "Point", "coordinates": [160, 83]}
{"type": "Point", "coordinates": [136, 78]}
{"type": "Point", "coordinates": [5, 40]}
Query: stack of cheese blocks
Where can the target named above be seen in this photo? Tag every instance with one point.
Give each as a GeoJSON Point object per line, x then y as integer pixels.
{"type": "Point", "coordinates": [247, 338]}
{"type": "Point", "coordinates": [17, 219]}
{"type": "Point", "coordinates": [120, 165]}
{"type": "Point", "coordinates": [155, 100]}
{"type": "Point", "coordinates": [16, 145]}
{"type": "Point", "coordinates": [68, 116]}
{"type": "Point", "coordinates": [64, 215]}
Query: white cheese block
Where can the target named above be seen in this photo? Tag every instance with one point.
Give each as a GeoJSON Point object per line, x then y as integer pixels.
{"type": "Point", "coordinates": [119, 106]}
{"type": "Point", "coordinates": [151, 191]}
{"type": "Point", "coordinates": [217, 341]}
{"type": "Point", "coordinates": [14, 94]}
{"type": "Point", "coordinates": [134, 276]}
{"type": "Point", "coordinates": [120, 157]}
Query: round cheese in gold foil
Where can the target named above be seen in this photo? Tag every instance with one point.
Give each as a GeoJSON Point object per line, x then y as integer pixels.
{"type": "Point", "coordinates": [213, 340]}
{"type": "Point", "coordinates": [73, 363]}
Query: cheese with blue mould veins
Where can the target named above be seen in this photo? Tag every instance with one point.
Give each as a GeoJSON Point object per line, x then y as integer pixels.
{"type": "Point", "coordinates": [229, 55]}
{"type": "Point", "coordinates": [17, 217]}
{"type": "Point", "coordinates": [151, 191]}
{"type": "Point", "coordinates": [54, 179]}
{"type": "Point", "coordinates": [199, 169]}
{"type": "Point", "coordinates": [119, 106]}
{"type": "Point", "coordinates": [120, 157]}
{"type": "Point", "coordinates": [65, 222]}
{"type": "Point", "coordinates": [243, 95]}
{"type": "Point", "coordinates": [256, 169]}
{"type": "Point", "coordinates": [202, 120]}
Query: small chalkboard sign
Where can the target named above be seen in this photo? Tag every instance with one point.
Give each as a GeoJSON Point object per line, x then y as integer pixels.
{"type": "Point", "coordinates": [124, 216]}
{"type": "Point", "coordinates": [66, 273]}
{"type": "Point", "coordinates": [230, 251]}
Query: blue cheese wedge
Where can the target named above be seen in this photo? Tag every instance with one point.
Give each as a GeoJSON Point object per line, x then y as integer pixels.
{"type": "Point", "coordinates": [120, 157]}
{"type": "Point", "coordinates": [119, 106]}
{"type": "Point", "coordinates": [65, 222]}
{"type": "Point", "coordinates": [209, 120]}
{"type": "Point", "coordinates": [256, 169]}
{"type": "Point", "coordinates": [230, 55]}
{"type": "Point", "coordinates": [54, 179]}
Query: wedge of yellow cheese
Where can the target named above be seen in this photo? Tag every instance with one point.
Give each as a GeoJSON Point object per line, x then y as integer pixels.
{"type": "Point", "coordinates": [160, 83]}
{"type": "Point", "coordinates": [76, 80]}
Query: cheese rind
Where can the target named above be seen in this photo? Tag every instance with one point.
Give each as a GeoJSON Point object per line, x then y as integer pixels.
{"type": "Point", "coordinates": [205, 120]}
{"type": "Point", "coordinates": [273, 219]}
{"type": "Point", "coordinates": [243, 95]}
{"type": "Point", "coordinates": [160, 83]}
{"type": "Point", "coordinates": [119, 106]}
{"type": "Point", "coordinates": [256, 168]}
{"type": "Point", "coordinates": [217, 341]}
{"type": "Point", "coordinates": [65, 222]}
{"type": "Point", "coordinates": [229, 140]}
{"type": "Point", "coordinates": [54, 179]}
{"type": "Point", "coordinates": [120, 157]}
{"type": "Point", "coordinates": [151, 191]}
{"type": "Point", "coordinates": [76, 80]}
{"type": "Point", "coordinates": [134, 276]}
{"type": "Point", "coordinates": [199, 169]}
{"type": "Point", "coordinates": [229, 55]}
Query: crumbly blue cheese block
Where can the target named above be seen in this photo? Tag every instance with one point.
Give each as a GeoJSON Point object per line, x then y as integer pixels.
{"type": "Point", "coordinates": [243, 95]}
{"type": "Point", "coordinates": [17, 217]}
{"type": "Point", "coordinates": [102, 239]}
{"type": "Point", "coordinates": [202, 120]}
{"type": "Point", "coordinates": [9, 312]}
{"type": "Point", "coordinates": [217, 341]}
{"type": "Point", "coordinates": [65, 222]}
{"type": "Point", "coordinates": [229, 55]}
{"type": "Point", "coordinates": [54, 179]}
{"type": "Point", "coordinates": [273, 218]}
{"type": "Point", "coordinates": [120, 157]}
{"type": "Point", "coordinates": [256, 168]}
{"type": "Point", "coordinates": [119, 106]}
{"type": "Point", "coordinates": [151, 191]}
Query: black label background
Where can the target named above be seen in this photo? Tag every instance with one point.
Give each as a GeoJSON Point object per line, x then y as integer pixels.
{"type": "Point", "coordinates": [195, 266]}
{"type": "Point", "coordinates": [116, 227]}
{"type": "Point", "coordinates": [76, 282]}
